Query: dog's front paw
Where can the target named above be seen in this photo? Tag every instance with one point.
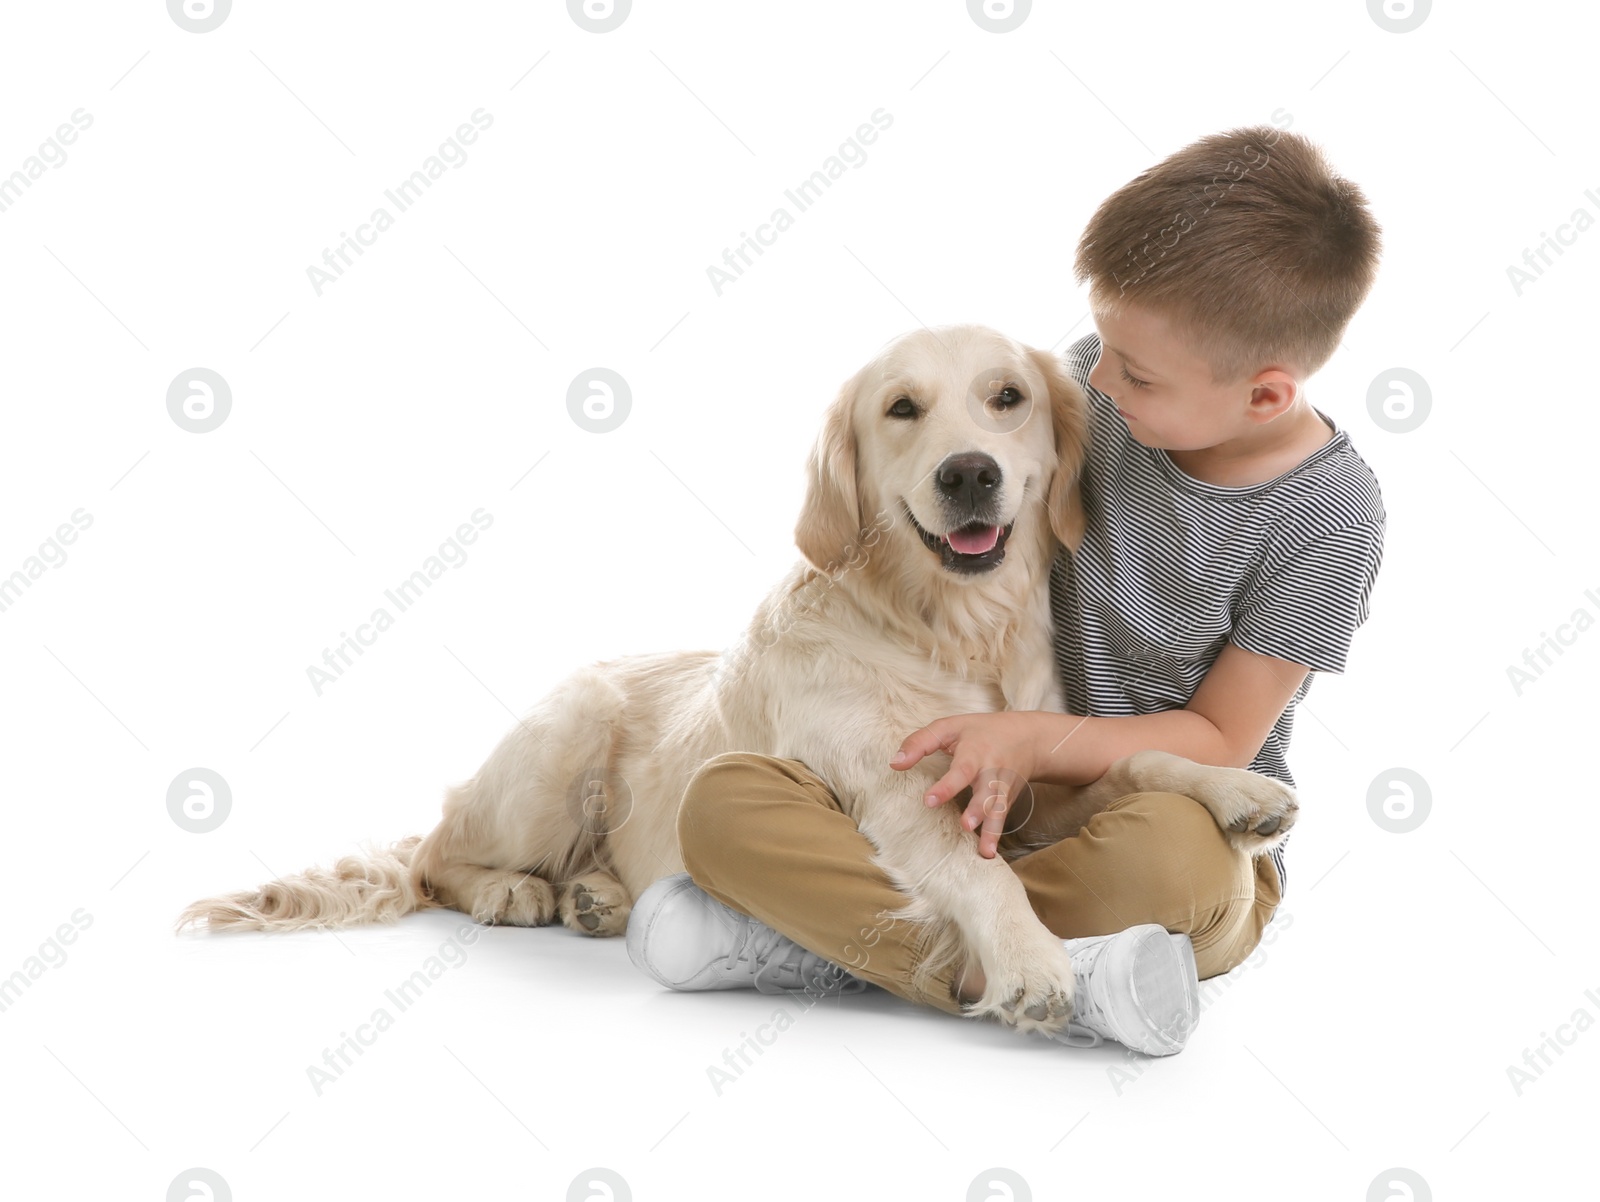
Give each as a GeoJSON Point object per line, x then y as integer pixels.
{"type": "Point", "coordinates": [596, 905]}
{"type": "Point", "coordinates": [1254, 811]}
{"type": "Point", "coordinates": [1033, 993]}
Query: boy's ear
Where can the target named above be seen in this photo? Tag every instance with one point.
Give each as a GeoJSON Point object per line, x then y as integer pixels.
{"type": "Point", "coordinates": [1069, 419]}
{"type": "Point", "coordinates": [830, 517]}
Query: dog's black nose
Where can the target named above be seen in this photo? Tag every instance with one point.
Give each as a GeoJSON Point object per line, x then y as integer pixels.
{"type": "Point", "coordinates": [970, 478]}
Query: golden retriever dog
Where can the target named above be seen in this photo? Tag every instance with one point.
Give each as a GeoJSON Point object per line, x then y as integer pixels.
{"type": "Point", "coordinates": [943, 483]}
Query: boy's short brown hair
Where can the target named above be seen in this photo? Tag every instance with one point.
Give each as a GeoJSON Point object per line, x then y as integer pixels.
{"type": "Point", "coordinates": [1247, 241]}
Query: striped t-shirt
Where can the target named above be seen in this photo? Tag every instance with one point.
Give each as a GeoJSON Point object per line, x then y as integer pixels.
{"type": "Point", "coordinates": [1171, 568]}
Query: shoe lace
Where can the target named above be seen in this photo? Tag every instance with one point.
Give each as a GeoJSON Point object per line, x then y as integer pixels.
{"type": "Point", "coordinates": [781, 965]}
{"type": "Point", "coordinates": [1075, 1035]}
{"type": "Point", "coordinates": [1078, 1033]}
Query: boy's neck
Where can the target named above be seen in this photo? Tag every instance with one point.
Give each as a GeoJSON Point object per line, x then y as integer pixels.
{"type": "Point", "coordinates": [1263, 455]}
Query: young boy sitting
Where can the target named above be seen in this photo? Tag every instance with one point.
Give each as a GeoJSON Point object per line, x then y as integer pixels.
{"type": "Point", "coordinates": [1233, 538]}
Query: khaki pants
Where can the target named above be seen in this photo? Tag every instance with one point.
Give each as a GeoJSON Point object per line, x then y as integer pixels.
{"type": "Point", "coordinates": [767, 837]}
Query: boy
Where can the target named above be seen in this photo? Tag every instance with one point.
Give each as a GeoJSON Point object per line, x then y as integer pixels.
{"type": "Point", "coordinates": [1233, 538]}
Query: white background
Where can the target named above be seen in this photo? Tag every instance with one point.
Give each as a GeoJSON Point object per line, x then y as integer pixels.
{"type": "Point", "coordinates": [1406, 972]}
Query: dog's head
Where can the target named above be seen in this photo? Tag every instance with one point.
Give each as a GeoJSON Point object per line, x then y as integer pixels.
{"type": "Point", "coordinates": [949, 439]}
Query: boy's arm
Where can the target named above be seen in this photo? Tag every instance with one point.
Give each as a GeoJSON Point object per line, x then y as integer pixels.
{"type": "Point", "coordinates": [1244, 693]}
{"type": "Point", "coordinates": [1227, 719]}
{"type": "Point", "coordinates": [1225, 723]}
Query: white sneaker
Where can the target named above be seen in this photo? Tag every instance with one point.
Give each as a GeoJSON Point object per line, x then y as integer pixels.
{"type": "Point", "coordinates": [688, 940]}
{"type": "Point", "coordinates": [1138, 987]}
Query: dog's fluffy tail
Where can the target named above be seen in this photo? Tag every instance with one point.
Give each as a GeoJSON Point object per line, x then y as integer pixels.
{"type": "Point", "coordinates": [376, 886]}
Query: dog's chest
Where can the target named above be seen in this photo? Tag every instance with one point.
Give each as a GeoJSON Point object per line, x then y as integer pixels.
{"type": "Point", "coordinates": [916, 688]}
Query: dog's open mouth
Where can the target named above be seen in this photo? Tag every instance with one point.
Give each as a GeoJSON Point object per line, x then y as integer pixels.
{"type": "Point", "coordinates": [975, 547]}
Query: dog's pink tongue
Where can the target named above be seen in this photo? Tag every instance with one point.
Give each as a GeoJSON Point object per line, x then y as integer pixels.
{"type": "Point", "coordinates": [974, 540]}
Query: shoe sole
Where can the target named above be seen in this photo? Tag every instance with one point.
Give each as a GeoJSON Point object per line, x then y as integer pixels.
{"type": "Point", "coordinates": [1161, 1002]}
{"type": "Point", "coordinates": [1165, 991]}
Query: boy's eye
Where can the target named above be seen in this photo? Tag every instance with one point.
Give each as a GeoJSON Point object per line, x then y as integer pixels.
{"type": "Point", "coordinates": [1136, 383]}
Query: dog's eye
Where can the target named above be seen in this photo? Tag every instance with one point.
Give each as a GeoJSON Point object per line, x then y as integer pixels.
{"type": "Point", "coordinates": [903, 407]}
{"type": "Point", "coordinates": [1009, 395]}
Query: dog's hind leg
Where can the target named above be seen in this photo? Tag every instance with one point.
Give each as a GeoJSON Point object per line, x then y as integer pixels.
{"type": "Point", "coordinates": [524, 819]}
{"type": "Point", "coordinates": [477, 861]}
{"type": "Point", "coordinates": [474, 861]}
{"type": "Point", "coordinates": [502, 896]}
{"type": "Point", "coordinates": [595, 903]}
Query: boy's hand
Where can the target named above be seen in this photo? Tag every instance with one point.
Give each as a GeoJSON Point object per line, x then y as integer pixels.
{"type": "Point", "coordinates": [994, 753]}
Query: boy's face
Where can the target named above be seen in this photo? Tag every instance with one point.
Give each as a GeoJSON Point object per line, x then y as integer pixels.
{"type": "Point", "coordinates": [1163, 390]}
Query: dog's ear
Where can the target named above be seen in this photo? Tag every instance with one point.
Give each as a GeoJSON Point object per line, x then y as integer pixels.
{"type": "Point", "coordinates": [1069, 420]}
{"type": "Point", "coordinates": [830, 517]}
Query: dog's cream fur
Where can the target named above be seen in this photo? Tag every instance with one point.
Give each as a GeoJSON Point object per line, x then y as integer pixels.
{"type": "Point", "coordinates": [865, 640]}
